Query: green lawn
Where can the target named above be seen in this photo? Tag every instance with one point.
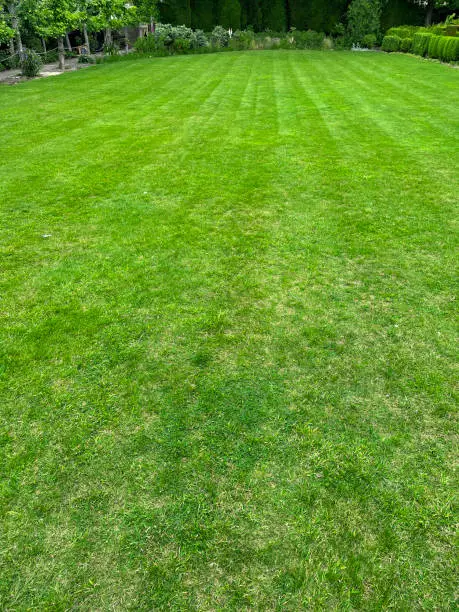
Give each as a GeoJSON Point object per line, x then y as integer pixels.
{"type": "Point", "coordinates": [227, 338]}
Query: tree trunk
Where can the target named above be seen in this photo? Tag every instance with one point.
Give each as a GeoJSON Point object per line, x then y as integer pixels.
{"type": "Point", "coordinates": [11, 46]}
{"type": "Point", "coordinates": [126, 40]}
{"type": "Point", "coordinates": [43, 42]}
{"type": "Point", "coordinates": [15, 24]}
{"type": "Point", "coordinates": [61, 51]}
{"type": "Point", "coordinates": [86, 37]}
{"type": "Point", "coordinates": [108, 40]}
{"type": "Point", "coordinates": [67, 42]}
{"type": "Point", "coordinates": [429, 14]}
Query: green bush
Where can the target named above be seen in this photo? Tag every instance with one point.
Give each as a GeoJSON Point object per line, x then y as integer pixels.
{"type": "Point", "coordinates": [421, 42]}
{"type": "Point", "coordinates": [405, 44]}
{"type": "Point", "coordinates": [86, 59]}
{"type": "Point", "coordinates": [403, 31]}
{"type": "Point", "coordinates": [220, 37]}
{"type": "Point", "coordinates": [434, 46]}
{"type": "Point", "coordinates": [369, 41]}
{"type": "Point", "coordinates": [391, 43]}
{"type": "Point", "coordinates": [50, 57]}
{"type": "Point", "coordinates": [243, 39]}
{"type": "Point", "coordinates": [31, 63]}
{"type": "Point", "coordinates": [147, 44]}
{"type": "Point", "coordinates": [110, 49]}
{"type": "Point", "coordinates": [308, 40]}
{"type": "Point", "coordinates": [448, 49]}
{"type": "Point", "coordinates": [181, 45]}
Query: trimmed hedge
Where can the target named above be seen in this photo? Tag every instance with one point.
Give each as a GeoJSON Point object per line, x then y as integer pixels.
{"type": "Point", "coordinates": [391, 43]}
{"type": "Point", "coordinates": [421, 42]}
{"type": "Point", "coordinates": [406, 44]}
{"type": "Point", "coordinates": [434, 46]}
{"type": "Point", "coordinates": [403, 31]}
{"type": "Point", "coordinates": [448, 49]}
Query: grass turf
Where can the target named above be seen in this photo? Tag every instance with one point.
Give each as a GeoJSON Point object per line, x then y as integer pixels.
{"type": "Point", "coordinates": [227, 334]}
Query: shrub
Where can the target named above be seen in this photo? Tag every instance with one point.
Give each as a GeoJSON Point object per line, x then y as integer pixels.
{"type": "Point", "coordinates": [50, 57]}
{"type": "Point", "coordinates": [448, 49]}
{"type": "Point", "coordinates": [111, 49]}
{"type": "Point", "coordinates": [391, 43]}
{"type": "Point", "coordinates": [421, 43]}
{"type": "Point", "coordinates": [405, 44]}
{"type": "Point", "coordinates": [308, 40]}
{"type": "Point", "coordinates": [199, 40]}
{"type": "Point", "coordinates": [181, 45]}
{"type": "Point", "coordinates": [403, 31]}
{"type": "Point", "coordinates": [327, 44]}
{"type": "Point", "coordinates": [86, 59]}
{"type": "Point", "coordinates": [220, 37]}
{"type": "Point", "coordinates": [434, 46]}
{"type": "Point", "coordinates": [243, 39]}
{"type": "Point", "coordinates": [31, 63]}
{"type": "Point", "coordinates": [146, 44]}
{"type": "Point", "coordinates": [369, 41]}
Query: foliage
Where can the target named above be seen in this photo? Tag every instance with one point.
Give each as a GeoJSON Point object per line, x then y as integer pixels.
{"type": "Point", "coordinates": [111, 48]}
{"type": "Point", "coordinates": [6, 33]}
{"type": "Point", "coordinates": [448, 49]}
{"type": "Point", "coordinates": [30, 63]}
{"type": "Point", "coordinates": [403, 31]}
{"type": "Point", "coordinates": [220, 37]}
{"type": "Point", "coordinates": [421, 42]}
{"type": "Point", "coordinates": [86, 59]}
{"type": "Point", "coordinates": [405, 44]}
{"type": "Point", "coordinates": [391, 43]}
{"type": "Point", "coordinates": [369, 41]}
{"type": "Point", "coordinates": [172, 39]}
{"type": "Point", "coordinates": [308, 39]}
{"type": "Point", "coordinates": [363, 17]}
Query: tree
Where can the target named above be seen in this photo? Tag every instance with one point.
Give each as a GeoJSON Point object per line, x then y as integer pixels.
{"type": "Point", "coordinates": [274, 17]}
{"type": "Point", "coordinates": [6, 33]}
{"type": "Point", "coordinates": [54, 18]}
{"type": "Point", "coordinates": [230, 14]}
{"type": "Point", "coordinates": [363, 17]}
{"type": "Point", "coordinates": [108, 15]}
{"type": "Point", "coordinates": [430, 5]}
{"type": "Point", "coordinates": [14, 8]}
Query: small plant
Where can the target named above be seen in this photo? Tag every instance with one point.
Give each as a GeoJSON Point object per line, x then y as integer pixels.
{"type": "Point", "coordinates": [391, 43]}
{"type": "Point", "coordinates": [111, 49]}
{"type": "Point", "coordinates": [31, 63]}
{"type": "Point", "coordinates": [86, 59]}
{"type": "Point", "coordinates": [369, 41]}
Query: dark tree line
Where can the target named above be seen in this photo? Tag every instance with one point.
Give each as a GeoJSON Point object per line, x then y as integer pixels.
{"type": "Point", "coordinates": [280, 15]}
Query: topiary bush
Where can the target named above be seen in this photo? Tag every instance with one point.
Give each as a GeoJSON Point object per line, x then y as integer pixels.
{"type": "Point", "coordinates": [31, 63]}
{"type": "Point", "coordinates": [405, 44]}
{"type": "Point", "coordinates": [403, 31]}
{"type": "Point", "coordinates": [391, 43]}
{"type": "Point", "coordinates": [448, 49]}
{"type": "Point", "coordinates": [421, 42]}
{"type": "Point", "coordinates": [434, 46]}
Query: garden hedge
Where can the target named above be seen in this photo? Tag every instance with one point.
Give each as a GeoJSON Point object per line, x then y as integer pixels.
{"type": "Point", "coordinates": [391, 43]}
{"type": "Point", "coordinates": [421, 42]}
